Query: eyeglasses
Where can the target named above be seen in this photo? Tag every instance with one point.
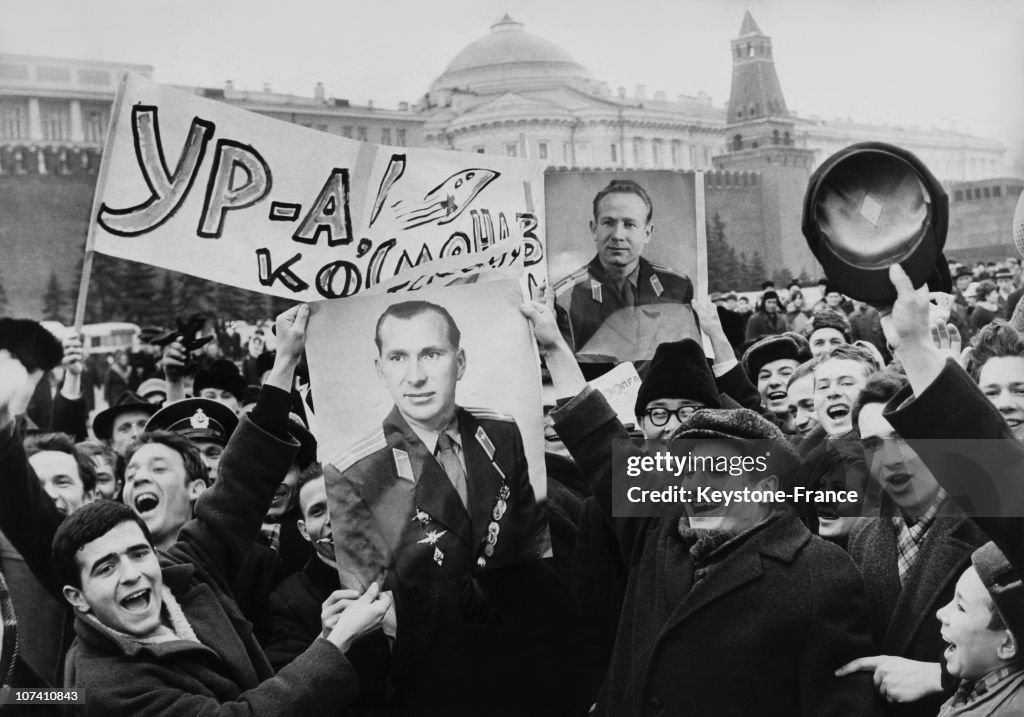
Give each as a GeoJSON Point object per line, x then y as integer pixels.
{"type": "Point", "coordinates": [659, 416]}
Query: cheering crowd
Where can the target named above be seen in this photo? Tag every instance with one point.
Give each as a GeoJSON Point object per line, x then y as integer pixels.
{"type": "Point", "coordinates": [173, 554]}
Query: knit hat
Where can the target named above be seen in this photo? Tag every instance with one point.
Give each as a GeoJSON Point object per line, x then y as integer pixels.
{"type": "Point", "coordinates": [788, 345]}
{"type": "Point", "coordinates": [826, 318]}
{"type": "Point", "coordinates": [678, 370]}
{"type": "Point", "coordinates": [1003, 584]}
{"type": "Point", "coordinates": [757, 434]}
{"type": "Point", "coordinates": [221, 374]}
{"type": "Point", "coordinates": [31, 344]}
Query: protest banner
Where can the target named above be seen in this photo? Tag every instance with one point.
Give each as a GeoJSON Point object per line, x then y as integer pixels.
{"type": "Point", "coordinates": [211, 190]}
{"type": "Point", "coordinates": [398, 375]}
{"type": "Point", "coordinates": [660, 245]}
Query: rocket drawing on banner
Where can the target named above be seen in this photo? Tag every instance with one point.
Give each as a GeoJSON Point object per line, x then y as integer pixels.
{"type": "Point", "coordinates": [441, 205]}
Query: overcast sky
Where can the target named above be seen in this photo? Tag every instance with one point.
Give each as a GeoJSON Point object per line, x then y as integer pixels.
{"type": "Point", "coordinates": [943, 62]}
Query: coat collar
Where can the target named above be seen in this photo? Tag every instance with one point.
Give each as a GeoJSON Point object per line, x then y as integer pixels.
{"type": "Point", "coordinates": [781, 539]}
{"type": "Point", "coordinates": [434, 492]}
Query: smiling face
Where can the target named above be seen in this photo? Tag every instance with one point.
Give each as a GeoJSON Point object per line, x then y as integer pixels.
{"type": "Point", "coordinates": [974, 649]}
{"type": "Point", "coordinates": [800, 397]}
{"type": "Point", "coordinates": [666, 412]}
{"type": "Point", "coordinates": [420, 367]}
{"type": "Point", "coordinates": [620, 231]}
{"type": "Point", "coordinates": [315, 525]}
{"type": "Point", "coordinates": [824, 339]}
{"type": "Point", "coordinates": [284, 496]}
{"type": "Point", "coordinates": [1002, 380]}
{"type": "Point", "coordinates": [894, 464]}
{"type": "Point", "coordinates": [837, 382]}
{"type": "Point", "coordinates": [158, 489]}
{"type": "Point", "coordinates": [121, 582]}
{"type": "Point", "coordinates": [771, 384]}
{"type": "Point", "coordinates": [58, 475]}
{"type": "Point", "coordinates": [738, 515]}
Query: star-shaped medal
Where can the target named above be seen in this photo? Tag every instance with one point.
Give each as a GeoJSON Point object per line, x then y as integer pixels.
{"type": "Point", "coordinates": [431, 537]}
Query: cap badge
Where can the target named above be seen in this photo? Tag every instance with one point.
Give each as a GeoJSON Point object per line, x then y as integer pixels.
{"type": "Point", "coordinates": [199, 419]}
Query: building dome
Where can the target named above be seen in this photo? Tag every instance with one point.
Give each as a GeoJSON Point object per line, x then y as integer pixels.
{"type": "Point", "coordinates": [509, 59]}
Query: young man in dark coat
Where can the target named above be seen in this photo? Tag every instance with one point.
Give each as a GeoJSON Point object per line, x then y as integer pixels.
{"type": "Point", "coordinates": [910, 558]}
{"type": "Point", "coordinates": [942, 402]}
{"type": "Point", "coordinates": [158, 633]}
{"type": "Point", "coordinates": [769, 602]}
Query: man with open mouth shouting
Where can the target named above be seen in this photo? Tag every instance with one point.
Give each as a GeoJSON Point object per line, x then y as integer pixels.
{"type": "Point", "coordinates": [158, 632]}
{"type": "Point", "coordinates": [921, 538]}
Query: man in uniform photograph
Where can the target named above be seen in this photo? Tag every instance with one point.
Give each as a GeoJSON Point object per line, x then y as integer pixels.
{"type": "Point", "coordinates": [438, 490]}
{"type": "Point", "coordinates": [598, 304]}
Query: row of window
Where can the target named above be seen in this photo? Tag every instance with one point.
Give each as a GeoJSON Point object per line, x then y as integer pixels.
{"type": "Point", "coordinates": [970, 193]}
{"type": "Point", "coordinates": [54, 121]}
{"type": "Point", "coordinates": [678, 159]}
{"type": "Point", "coordinates": [362, 134]}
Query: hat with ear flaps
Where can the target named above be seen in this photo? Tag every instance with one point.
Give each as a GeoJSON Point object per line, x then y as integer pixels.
{"type": "Point", "coordinates": [872, 205]}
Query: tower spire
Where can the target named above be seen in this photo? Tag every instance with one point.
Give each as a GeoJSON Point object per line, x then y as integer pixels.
{"type": "Point", "coordinates": [756, 92]}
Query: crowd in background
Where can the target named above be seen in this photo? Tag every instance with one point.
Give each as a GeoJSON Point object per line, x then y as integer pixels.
{"type": "Point", "coordinates": [898, 604]}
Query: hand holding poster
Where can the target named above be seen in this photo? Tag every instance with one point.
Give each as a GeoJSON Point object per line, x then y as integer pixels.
{"type": "Point", "coordinates": [429, 427]}
{"type": "Point", "coordinates": [204, 188]}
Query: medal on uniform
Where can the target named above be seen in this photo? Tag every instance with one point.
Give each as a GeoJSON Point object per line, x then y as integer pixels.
{"type": "Point", "coordinates": [595, 290]}
{"type": "Point", "coordinates": [431, 537]}
{"type": "Point", "coordinates": [656, 285]}
{"type": "Point", "coordinates": [438, 556]}
{"type": "Point", "coordinates": [503, 492]}
{"type": "Point", "coordinates": [421, 516]}
{"type": "Point", "coordinates": [499, 509]}
{"type": "Point", "coordinates": [403, 466]}
{"type": "Point", "coordinates": [483, 440]}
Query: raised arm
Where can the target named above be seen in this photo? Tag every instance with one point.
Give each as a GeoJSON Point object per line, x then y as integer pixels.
{"type": "Point", "coordinates": [28, 516]}
{"type": "Point", "coordinates": [255, 461]}
{"type": "Point", "coordinates": [943, 403]}
{"type": "Point", "coordinates": [586, 424]}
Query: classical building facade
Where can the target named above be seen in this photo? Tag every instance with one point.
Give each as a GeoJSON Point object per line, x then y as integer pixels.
{"type": "Point", "coordinates": [508, 92]}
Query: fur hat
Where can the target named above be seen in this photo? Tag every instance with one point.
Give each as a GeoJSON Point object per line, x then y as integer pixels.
{"type": "Point", "coordinates": [770, 294]}
{"type": "Point", "coordinates": [221, 374]}
{"type": "Point", "coordinates": [678, 370]}
{"type": "Point", "coordinates": [757, 434]}
{"type": "Point", "coordinates": [1003, 584]}
{"type": "Point", "coordinates": [30, 343]}
{"type": "Point", "coordinates": [827, 318]}
{"type": "Point", "coordinates": [788, 345]}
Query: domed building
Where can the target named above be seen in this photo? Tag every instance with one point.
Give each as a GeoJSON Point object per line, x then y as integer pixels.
{"type": "Point", "coordinates": [514, 93]}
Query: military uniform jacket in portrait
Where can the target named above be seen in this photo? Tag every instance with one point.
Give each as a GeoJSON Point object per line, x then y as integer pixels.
{"type": "Point", "coordinates": [395, 513]}
{"type": "Point", "coordinates": [591, 309]}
